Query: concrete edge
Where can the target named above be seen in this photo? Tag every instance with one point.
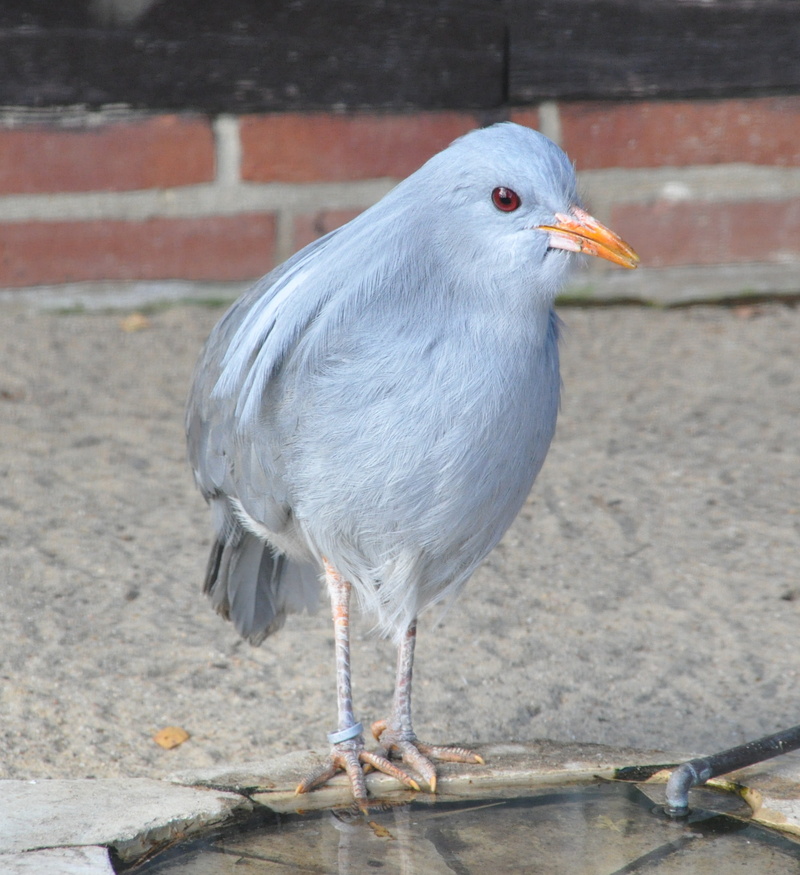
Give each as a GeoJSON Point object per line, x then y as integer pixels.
{"type": "Point", "coordinates": [657, 287]}
{"type": "Point", "coordinates": [682, 286]}
{"type": "Point", "coordinates": [272, 784]}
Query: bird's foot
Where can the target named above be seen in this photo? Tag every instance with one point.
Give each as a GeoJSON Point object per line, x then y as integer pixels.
{"type": "Point", "coordinates": [418, 755]}
{"type": "Point", "coordinates": [351, 757]}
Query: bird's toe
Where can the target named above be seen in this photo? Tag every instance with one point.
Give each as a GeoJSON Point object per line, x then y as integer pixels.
{"type": "Point", "coordinates": [354, 760]}
{"type": "Point", "coordinates": [382, 764]}
{"type": "Point", "coordinates": [450, 754]}
{"type": "Point", "coordinates": [343, 758]}
{"type": "Point", "coordinates": [418, 755]}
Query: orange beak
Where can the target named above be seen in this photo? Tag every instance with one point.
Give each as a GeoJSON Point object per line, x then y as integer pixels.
{"type": "Point", "coordinates": [580, 232]}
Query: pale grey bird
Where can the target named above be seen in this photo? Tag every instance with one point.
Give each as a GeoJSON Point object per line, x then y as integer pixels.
{"type": "Point", "coordinates": [376, 409]}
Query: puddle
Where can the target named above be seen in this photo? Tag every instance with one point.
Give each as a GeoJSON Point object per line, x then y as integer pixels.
{"type": "Point", "coordinates": [600, 829]}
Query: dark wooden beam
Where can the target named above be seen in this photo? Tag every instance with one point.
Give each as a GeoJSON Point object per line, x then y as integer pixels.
{"type": "Point", "coordinates": [652, 48]}
{"type": "Point", "coordinates": [263, 55]}
{"type": "Point", "coordinates": [244, 56]}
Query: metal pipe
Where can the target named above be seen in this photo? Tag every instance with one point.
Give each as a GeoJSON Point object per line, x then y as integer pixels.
{"type": "Point", "coordinates": [700, 770]}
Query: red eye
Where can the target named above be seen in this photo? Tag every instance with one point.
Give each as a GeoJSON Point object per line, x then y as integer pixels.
{"type": "Point", "coordinates": [505, 199]}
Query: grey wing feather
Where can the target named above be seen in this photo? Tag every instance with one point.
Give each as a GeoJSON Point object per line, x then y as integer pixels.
{"type": "Point", "coordinates": [244, 350]}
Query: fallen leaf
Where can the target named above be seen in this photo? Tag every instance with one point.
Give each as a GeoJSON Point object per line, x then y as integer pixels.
{"type": "Point", "coordinates": [134, 322]}
{"type": "Point", "coordinates": [380, 831]}
{"type": "Point", "coordinates": [170, 736]}
{"type": "Point", "coordinates": [747, 311]}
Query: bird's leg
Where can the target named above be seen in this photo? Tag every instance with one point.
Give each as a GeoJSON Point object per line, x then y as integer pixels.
{"type": "Point", "coordinates": [397, 734]}
{"type": "Point", "coordinates": [347, 752]}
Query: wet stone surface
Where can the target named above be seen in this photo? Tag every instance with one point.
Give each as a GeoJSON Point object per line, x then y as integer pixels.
{"type": "Point", "coordinates": [589, 830]}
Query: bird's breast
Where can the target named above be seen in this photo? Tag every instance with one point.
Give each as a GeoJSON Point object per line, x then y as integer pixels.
{"type": "Point", "coordinates": [418, 439]}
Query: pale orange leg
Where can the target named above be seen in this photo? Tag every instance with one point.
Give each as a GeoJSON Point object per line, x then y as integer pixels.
{"type": "Point", "coordinates": [347, 751]}
{"type": "Point", "coordinates": [397, 735]}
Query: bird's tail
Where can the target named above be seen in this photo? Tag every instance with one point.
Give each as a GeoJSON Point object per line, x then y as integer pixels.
{"type": "Point", "coordinates": [254, 586]}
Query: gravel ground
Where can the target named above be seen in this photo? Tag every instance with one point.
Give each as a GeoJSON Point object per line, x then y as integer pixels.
{"type": "Point", "coordinates": [647, 595]}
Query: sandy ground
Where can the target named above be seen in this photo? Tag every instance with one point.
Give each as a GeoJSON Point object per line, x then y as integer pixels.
{"type": "Point", "coordinates": [648, 594]}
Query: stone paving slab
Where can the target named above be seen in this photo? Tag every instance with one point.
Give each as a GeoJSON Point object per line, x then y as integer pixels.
{"type": "Point", "coordinates": [773, 792]}
{"type": "Point", "coordinates": [58, 861]}
{"type": "Point", "coordinates": [132, 816]}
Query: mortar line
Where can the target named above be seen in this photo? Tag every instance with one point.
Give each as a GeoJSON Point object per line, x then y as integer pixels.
{"type": "Point", "coordinates": [550, 120]}
{"type": "Point", "coordinates": [228, 148]}
{"type": "Point", "coordinates": [207, 199]}
{"type": "Point", "coordinates": [722, 183]}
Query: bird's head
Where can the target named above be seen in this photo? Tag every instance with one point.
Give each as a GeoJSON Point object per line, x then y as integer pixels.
{"type": "Point", "coordinates": [504, 198]}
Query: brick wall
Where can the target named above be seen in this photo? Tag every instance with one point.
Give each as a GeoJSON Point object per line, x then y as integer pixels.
{"type": "Point", "coordinates": [708, 192]}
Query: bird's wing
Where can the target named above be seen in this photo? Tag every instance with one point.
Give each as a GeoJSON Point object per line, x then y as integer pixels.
{"type": "Point", "coordinates": [228, 454]}
{"type": "Point", "coordinates": [234, 461]}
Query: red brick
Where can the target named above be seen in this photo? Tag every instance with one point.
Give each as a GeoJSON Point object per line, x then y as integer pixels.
{"type": "Point", "coordinates": [667, 234]}
{"type": "Point", "coordinates": [210, 248]}
{"type": "Point", "coordinates": [309, 226]}
{"type": "Point", "coordinates": [157, 152]}
{"type": "Point", "coordinates": [314, 147]}
{"type": "Point", "coordinates": [527, 116]}
{"type": "Point", "coordinates": [677, 133]}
